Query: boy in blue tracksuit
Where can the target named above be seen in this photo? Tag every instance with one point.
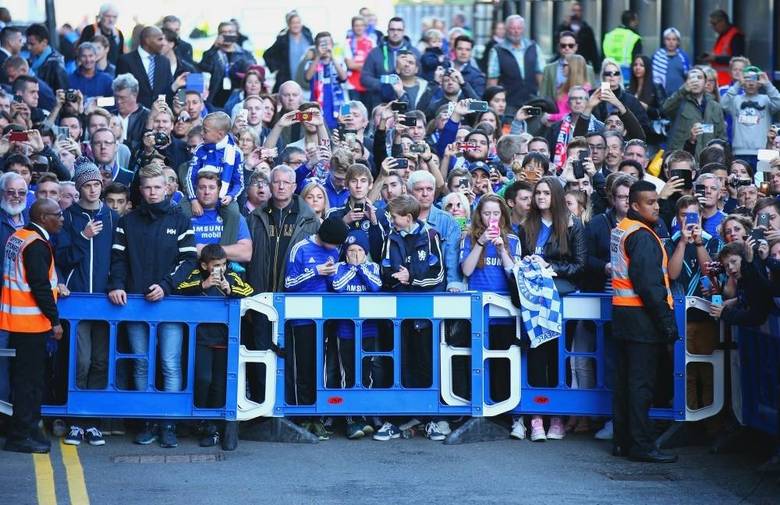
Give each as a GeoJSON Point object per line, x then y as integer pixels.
{"type": "Point", "coordinates": [412, 261]}
{"type": "Point", "coordinates": [83, 255]}
{"type": "Point", "coordinates": [311, 263]}
{"type": "Point", "coordinates": [212, 277]}
{"type": "Point", "coordinates": [355, 274]}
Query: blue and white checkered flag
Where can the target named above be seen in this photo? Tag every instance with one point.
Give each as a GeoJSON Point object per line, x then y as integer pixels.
{"type": "Point", "coordinates": [540, 304]}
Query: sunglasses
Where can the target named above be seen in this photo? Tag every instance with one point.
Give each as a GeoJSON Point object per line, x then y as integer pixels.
{"type": "Point", "coordinates": [611, 74]}
{"type": "Point", "coordinates": [567, 46]}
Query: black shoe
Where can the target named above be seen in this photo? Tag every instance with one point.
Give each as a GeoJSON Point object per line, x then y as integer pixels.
{"type": "Point", "coordinates": [654, 456]}
{"type": "Point", "coordinates": [27, 445]}
{"type": "Point", "coordinates": [619, 451]}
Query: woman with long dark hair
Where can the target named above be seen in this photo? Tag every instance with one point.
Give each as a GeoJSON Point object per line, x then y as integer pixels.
{"type": "Point", "coordinates": [553, 237]}
{"type": "Point", "coordinates": [649, 93]}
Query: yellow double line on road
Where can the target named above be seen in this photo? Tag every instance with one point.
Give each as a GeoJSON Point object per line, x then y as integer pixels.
{"type": "Point", "coordinates": [44, 477]}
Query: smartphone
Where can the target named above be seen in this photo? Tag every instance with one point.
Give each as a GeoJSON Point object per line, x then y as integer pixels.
{"type": "Point", "coordinates": [578, 169]}
{"type": "Point", "coordinates": [181, 95]}
{"type": "Point", "coordinates": [707, 128]}
{"type": "Point", "coordinates": [19, 136]}
{"type": "Point", "coordinates": [685, 175]}
{"type": "Point", "coordinates": [706, 284]}
{"type": "Point", "coordinates": [399, 106]}
{"type": "Point", "coordinates": [717, 300]}
{"type": "Point", "coordinates": [194, 82]}
{"type": "Point", "coordinates": [359, 207]}
{"type": "Point", "coordinates": [700, 189]}
{"type": "Point", "coordinates": [388, 79]}
{"type": "Point", "coordinates": [762, 220]}
{"type": "Point", "coordinates": [409, 120]}
{"type": "Point", "coordinates": [533, 111]}
{"type": "Point", "coordinates": [401, 163]}
{"type": "Point", "coordinates": [478, 106]}
{"type": "Point", "coordinates": [605, 87]}
{"type": "Point", "coordinates": [105, 101]}
{"type": "Point", "coordinates": [160, 98]}
{"type": "Point", "coordinates": [63, 132]}
{"type": "Point", "coordinates": [230, 39]}
{"type": "Point", "coordinates": [691, 218]}
{"type": "Point", "coordinates": [463, 183]}
{"type": "Point", "coordinates": [243, 114]}
{"type": "Point", "coordinates": [303, 116]}
{"type": "Point", "coordinates": [493, 225]}
{"type": "Point", "coordinates": [417, 148]}
{"type": "Point", "coordinates": [345, 110]}
{"type": "Point", "coordinates": [466, 146]}
{"type": "Point", "coordinates": [18, 99]}
{"type": "Point", "coordinates": [757, 234]}
{"type": "Point", "coordinates": [764, 188]}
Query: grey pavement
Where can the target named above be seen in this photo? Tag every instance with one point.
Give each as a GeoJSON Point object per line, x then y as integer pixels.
{"type": "Point", "coordinates": [575, 470]}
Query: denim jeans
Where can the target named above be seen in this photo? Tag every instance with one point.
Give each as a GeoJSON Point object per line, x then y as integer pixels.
{"type": "Point", "coordinates": [169, 340]}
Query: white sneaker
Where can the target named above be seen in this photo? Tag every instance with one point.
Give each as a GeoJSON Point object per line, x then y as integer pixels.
{"type": "Point", "coordinates": [444, 427]}
{"type": "Point", "coordinates": [605, 433]}
{"type": "Point", "coordinates": [518, 428]}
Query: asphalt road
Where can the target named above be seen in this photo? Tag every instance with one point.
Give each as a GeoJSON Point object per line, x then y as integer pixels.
{"type": "Point", "coordinates": [576, 470]}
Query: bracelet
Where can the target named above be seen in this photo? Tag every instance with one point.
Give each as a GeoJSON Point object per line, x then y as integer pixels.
{"type": "Point", "coordinates": [480, 244]}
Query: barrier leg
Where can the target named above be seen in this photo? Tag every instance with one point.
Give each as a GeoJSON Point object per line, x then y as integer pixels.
{"type": "Point", "coordinates": [276, 429]}
{"type": "Point", "coordinates": [478, 429]}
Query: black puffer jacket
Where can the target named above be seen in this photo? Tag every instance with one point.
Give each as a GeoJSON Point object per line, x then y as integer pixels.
{"type": "Point", "coordinates": [569, 267]}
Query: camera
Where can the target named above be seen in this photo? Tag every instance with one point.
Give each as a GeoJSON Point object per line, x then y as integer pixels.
{"type": "Point", "coordinates": [399, 106]}
{"type": "Point", "coordinates": [161, 139]}
{"type": "Point", "coordinates": [409, 120]}
{"type": "Point", "coordinates": [71, 96]}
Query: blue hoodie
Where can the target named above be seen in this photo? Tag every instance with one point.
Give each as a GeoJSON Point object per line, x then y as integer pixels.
{"type": "Point", "coordinates": [85, 263]}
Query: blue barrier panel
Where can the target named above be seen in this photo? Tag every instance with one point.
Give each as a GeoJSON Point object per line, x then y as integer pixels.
{"type": "Point", "coordinates": [437, 398]}
{"type": "Point", "coordinates": [394, 310]}
{"type": "Point", "coordinates": [759, 362]}
{"type": "Point", "coordinates": [564, 399]}
{"type": "Point", "coordinates": [152, 402]}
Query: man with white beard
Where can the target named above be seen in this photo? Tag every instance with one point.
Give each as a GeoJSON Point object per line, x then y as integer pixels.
{"type": "Point", "coordinates": [13, 215]}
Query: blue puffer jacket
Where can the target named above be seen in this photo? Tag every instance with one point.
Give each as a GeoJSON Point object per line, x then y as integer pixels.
{"type": "Point", "coordinates": [85, 263]}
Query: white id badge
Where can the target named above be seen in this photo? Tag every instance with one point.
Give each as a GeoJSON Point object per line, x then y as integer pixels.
{"type": "Point", "coordinates": [226, 84]}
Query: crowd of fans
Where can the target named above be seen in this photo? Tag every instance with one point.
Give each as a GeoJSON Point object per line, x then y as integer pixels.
{"type": "Point", "coordinates": [375, 162]}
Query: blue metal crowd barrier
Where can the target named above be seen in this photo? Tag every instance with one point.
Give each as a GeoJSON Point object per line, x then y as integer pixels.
{"type": "Point", "coordinates": [119, 400]}
{"type": "Point", "coordinates": [756, 376]}
{"type": "Point", "coordinates": [438, 398]}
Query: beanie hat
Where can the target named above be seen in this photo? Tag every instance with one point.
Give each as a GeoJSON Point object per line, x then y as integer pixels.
{"type": "Point", "coordinates": [357, 237]}
{"type": "Point", "coordinates": [333, 231]}
{"type": "Point", "coordinates": [85, 171]}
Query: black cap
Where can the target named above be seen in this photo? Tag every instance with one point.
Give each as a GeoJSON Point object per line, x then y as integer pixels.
{"type": "Point", "coordinates": [333, 231]}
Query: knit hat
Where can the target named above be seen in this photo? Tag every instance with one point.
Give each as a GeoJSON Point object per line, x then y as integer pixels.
{"type": "Point", "coordinates": [357, 237]}
{"type": "Point", "coordinates": [333, 231]}
{"type": "Point", "coordinates": [85, 171]}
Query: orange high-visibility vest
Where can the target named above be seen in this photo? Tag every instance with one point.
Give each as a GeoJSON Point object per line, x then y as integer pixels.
{"type": "Point", "coordinates": [19, 312]}
{"type": "Point", "coordinates": [624, 294]}
{"type": "Point", "coordinates": [723, 48]}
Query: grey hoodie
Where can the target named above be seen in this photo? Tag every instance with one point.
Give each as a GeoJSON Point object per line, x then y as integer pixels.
{"type": "Point", "coordinates": [752, 117]}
